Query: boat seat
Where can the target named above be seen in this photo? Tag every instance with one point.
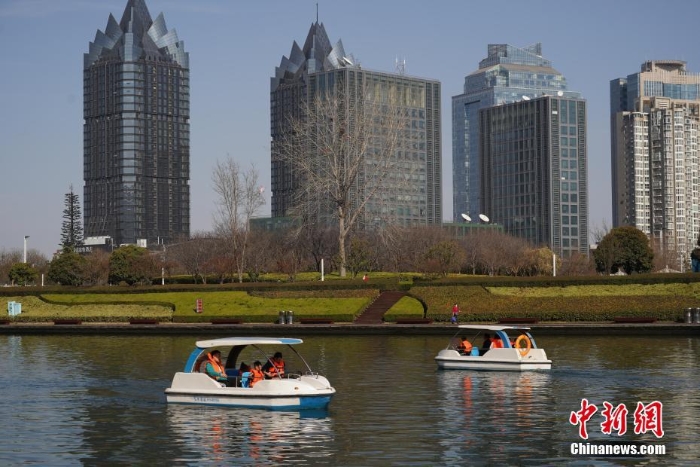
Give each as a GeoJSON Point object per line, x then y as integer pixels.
{"type": "Point", "coordinates": [245, 379]}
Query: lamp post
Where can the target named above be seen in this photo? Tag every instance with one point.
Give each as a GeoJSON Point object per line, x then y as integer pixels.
{"type": "Point", "coordinates": [24, 258]}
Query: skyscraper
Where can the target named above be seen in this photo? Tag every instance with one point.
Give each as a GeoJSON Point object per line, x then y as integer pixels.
{"type": "Point", "coordinates": [654, 120]}
{"type": "Point", "coordinates": [534, 174]}
{"type": "Point", "coordinates": [410, 196]}
{"type": "Point", "coordinates": [136, 131]}
{"type": "Point", "coordinates": [506, 75]}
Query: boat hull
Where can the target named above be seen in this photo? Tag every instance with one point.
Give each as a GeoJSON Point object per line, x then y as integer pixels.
{"type": "Point", "coordinates": [305, 392]}
{"type": "Point", "coordinates": [494, 360]}
{"type": "Point", "coordinates": [315, 402]}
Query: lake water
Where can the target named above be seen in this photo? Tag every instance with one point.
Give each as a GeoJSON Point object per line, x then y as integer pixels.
{"type": "Point", "coordinates": [95, 400]}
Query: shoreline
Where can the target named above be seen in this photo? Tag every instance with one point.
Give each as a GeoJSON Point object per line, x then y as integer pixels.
{"type": "Point", "coordinates": [546, 329]}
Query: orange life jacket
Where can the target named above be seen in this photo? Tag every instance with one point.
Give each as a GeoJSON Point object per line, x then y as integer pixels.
{"type": "Point", "coordinates": [277, 367]}
{"type": "Point", "coordinates": [465, 346]}
{"type": "Point", "coordinates": [216, 365]}
{"type": "Point", "coordinates": [257, 376]}
{"type": "Point", "coordinates": [496, 343]}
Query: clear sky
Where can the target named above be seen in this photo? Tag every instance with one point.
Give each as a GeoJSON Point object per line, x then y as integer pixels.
{"type": "Point", "coordinates": [235, 46]}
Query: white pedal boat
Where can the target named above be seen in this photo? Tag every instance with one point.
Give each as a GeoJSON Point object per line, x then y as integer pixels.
{"type": "Point", "coordinates": [295, 391]}
{"type": "Point", "coordinates": [519, 354]}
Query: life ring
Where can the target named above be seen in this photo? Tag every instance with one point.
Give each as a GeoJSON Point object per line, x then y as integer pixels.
{"type": "Point", "coordinates": [528, 345]}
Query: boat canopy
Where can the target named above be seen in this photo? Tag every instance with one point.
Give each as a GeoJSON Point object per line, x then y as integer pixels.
{"type": "Point", "coordinates": [488, 327]}
{"type": "Point", "coordinates": [226, 341]}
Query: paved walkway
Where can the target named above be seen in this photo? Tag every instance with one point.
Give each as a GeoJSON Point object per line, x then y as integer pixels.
{"type": "Point", "coordinates": [541, 329]}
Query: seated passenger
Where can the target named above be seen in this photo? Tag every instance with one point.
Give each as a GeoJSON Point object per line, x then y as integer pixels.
{"type": "Point", "coordinates": [486, 345]}
{"type": "Point", "coordinates": [274, 368]}
{"type": "Point", "coordinates": [214, 368]}
{"type": "Point", "coordinates": [496, 342]}
{"type": "Point", "coordinates": [257, 373]}
{"type": "Point", "coordinates": [464, 347]}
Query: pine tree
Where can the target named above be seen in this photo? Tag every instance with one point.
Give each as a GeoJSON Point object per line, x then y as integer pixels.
{"type": "Point", "coordinates": [72, 229]}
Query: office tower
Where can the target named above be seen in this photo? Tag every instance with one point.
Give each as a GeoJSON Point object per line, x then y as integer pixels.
{"type": "Point", "coordinates": [506, 75]}
{"type": "Point", "coordinates": [654, 118]}
{"type": "Point", "coordinates": [413, 193]}
{"type": "Point", "coordinates": [136, 131]}
{"type": "Point", "coordinates": [534, 171]}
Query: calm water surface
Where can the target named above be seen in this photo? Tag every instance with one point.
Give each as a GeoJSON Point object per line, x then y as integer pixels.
{"type": "Point", "coordinates": [96, 400]}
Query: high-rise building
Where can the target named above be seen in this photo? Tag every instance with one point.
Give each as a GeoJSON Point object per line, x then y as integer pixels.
{"type": "Point", "coordinates": [412, 195]}
{"type": "Point", "coordinates": [534, 171]}
{"type": "Point", "coordinates": [506, 75]}
{"type": "Point", "coordinates": [136, 131]}
{"type": "Point", "coordinates": [654, 120]}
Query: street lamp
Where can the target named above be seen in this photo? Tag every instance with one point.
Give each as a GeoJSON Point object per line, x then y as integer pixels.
{"type": "Point", "coordinates": [24, 258]}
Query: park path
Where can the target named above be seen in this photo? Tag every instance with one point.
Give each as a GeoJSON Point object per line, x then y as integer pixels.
{"type": "Point", "coordinates": [374, 313]}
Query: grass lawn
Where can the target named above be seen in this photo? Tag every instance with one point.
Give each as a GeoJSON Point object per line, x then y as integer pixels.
{"type": "Point", "coordinates": [262, 307]}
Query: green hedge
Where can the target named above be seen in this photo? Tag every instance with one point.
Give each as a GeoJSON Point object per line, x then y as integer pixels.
{"type": "Point", "coordinates": [477, 304]}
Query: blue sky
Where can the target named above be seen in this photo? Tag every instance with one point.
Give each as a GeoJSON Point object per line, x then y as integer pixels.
{"type": "Point", "coordinates": [234, 47]}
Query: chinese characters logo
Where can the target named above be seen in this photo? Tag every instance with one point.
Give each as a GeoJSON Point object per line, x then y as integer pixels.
{"type": "Point", "coordinates": [647, 418]}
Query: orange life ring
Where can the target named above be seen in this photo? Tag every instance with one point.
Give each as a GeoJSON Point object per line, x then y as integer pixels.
{"type": "Point", "coordinates": [528, 345]}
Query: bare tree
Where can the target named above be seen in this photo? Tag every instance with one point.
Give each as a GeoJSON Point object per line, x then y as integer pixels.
{"type": "Point", "coordinates": [599, 231]}
{"type": "Point", "coordinates": [240, 196]}
{"type": "Point", "coordinates": [343, 151]}
{"type": "Point", "coordinates": [194, 255]}
{"type": "Point", "coordinates": [96, 271]}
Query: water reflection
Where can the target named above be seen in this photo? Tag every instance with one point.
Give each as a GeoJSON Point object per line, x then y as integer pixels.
{"type": "Point", "coordinates": [507, 405]}
{"type": "Point", "coordinates": [95, 400]}
{"type": "Point", "coordinates": [210, 435]}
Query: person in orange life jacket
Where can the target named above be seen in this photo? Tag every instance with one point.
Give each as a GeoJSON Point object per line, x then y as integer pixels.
{"type": "Point", "coordinates": [257, 372]}
{"type": "Point", "coordinates": [275, 367]}
{"type": "Point", "coordinates": [465, 347]}
{"type": "Point", "coordinates": [496, 342]}
{"type": "Point", "coordinates": [214, 368]}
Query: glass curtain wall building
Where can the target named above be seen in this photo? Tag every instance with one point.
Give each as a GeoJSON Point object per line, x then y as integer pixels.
{"type": "Point", "coordinates": [136, 131]}
{"type": "Point", "coordinates": [506, 75]}
{"type": "Point", "coordinates": [412, 193]}
{"type": "Point", "coordinates": [655, 116]}
{"type": "Point", "coordinates": [534, 171]}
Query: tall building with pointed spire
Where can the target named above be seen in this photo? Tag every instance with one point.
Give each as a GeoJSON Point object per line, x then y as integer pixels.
{"type": "Point", "coordinates": [136, 132]}
{"type": "Point", "coordinates": [319, 68]}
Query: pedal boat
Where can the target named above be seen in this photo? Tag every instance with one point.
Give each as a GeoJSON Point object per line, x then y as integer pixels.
{"type": "Point", "coordinates": [519, 354]}
{"type": "Point", "coordinates": [294, 391]}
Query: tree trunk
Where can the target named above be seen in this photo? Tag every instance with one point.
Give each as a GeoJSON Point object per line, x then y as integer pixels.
{"type": "Point", "coordinates": [341, 243]}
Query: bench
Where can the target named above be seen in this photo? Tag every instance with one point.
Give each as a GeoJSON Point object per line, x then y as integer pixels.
{"type": "Point", "coordinates": [67, 321]}
{"type": "Point", "coordinates": [143, 321]}
{"type": "Point", "coordinates": [227, 321]}
{"type": "Point", "coordinates": [517, 320]}
{"type": "Point", "coordinates": [315, 321]}
{"type": "Point", "coordinates": [414, 321]}
{"type": "Point", "coordinates": [634, 319]}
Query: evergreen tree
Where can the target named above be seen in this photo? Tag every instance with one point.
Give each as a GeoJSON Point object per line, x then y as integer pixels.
{"type": "Point", "coordinates": [72, 229]}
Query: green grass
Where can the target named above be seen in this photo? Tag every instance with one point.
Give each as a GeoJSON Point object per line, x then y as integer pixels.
{"type": "Point", "coordinates": [567, 301]}
{"type": "Point", "coordinates": [691, 290]}
{"type": "Point", "coordinates": [260, 307]}
{"type": "Point", "coordinates": [407, 307]}
{"type": "Point", "coordinates": [479, 304]}
{"type": "Point", "coordinates": [36, 310]}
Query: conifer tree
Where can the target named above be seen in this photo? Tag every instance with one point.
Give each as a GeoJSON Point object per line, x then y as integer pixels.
{"type": "Point", "coordinates": [72, 229]}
